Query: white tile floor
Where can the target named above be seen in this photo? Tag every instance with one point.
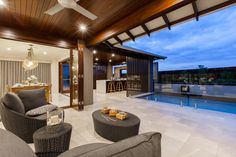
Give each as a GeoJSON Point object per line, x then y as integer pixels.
{"type": "Point", "coordinates": [186, 132]}
{"type": "Point", "coordinates": [60, 100]}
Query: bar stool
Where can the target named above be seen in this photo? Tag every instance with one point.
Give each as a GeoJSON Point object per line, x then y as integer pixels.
{"type": "Point", "coordinates": [125, 85]}
{"type": "Point", "coordinates": [119, 86]}
{"type": "Point", "coordinates": [111, 87]}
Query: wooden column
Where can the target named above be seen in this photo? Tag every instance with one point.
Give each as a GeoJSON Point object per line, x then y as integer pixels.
{"type": "Point", "coordinates": [81, 47]}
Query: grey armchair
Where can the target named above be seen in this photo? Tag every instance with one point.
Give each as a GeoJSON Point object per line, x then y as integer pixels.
{"type": "Point", "coordinates": [20, 124]}
{"type": "Point", "coordinates": [13, 110]}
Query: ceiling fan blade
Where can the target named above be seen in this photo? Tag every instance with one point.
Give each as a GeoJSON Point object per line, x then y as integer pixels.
{"type": "Point", "coordinates": [84, 12]}
{"type": "Point", "coordinates": [54, 9]}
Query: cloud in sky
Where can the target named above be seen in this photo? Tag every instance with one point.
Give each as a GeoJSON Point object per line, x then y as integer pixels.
{"type": "Point", "coordinates": [211, 41]}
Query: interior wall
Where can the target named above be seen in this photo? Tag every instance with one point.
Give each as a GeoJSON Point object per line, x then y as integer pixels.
{"type": "Point", "coordinates": [117, 71]}
{"type": "Point", "coordinates": [11, 72]}
{"type": "Point", "coordinates": [88, 77]}
{"type": "Point", "coordinates": [99, 73]}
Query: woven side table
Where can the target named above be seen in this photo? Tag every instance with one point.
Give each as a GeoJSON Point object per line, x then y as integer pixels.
{"type": "Point", "coordinates": [50, 141]}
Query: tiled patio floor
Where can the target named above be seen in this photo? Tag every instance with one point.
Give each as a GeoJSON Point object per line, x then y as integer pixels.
{"type": "Point", "coordinates": [186, 132]}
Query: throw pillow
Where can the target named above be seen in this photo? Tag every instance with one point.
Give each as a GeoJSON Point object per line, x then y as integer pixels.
{"type": "Point", "coordinates": [13, 102]}
{"type": "Point", "coordinates": [32, 98]}
{"type": "Point", "coordinates": [41, 110]}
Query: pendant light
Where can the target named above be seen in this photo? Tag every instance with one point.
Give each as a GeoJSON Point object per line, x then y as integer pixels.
{"type": "Point", "coordinates": [30, 62]}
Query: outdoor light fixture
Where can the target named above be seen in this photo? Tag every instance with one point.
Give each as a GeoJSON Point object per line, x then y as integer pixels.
{"type": "Point", "coordinates": [30, 62]}
{"type": "Point", "coordinates": [110, 60]}
{"type": "Point", "coordinates": [112, 54]}
{"type": "Point", "coordinates": [82, 27]}
{"type": "Point", "coordinates": [96, 59]}
{"type": "Point", "coordinates": [2, 3]}
{"type": "Point", "coordinates": [94, 51]}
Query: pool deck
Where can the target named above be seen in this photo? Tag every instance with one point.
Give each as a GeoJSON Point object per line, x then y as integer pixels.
{"type": "Point", "coordinates": [186, 132]}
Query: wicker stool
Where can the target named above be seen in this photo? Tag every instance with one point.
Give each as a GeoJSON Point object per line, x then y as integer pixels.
{"type": "Point", "coordinates": [119, 86]}
{"type": "Point", "coordinates": [125, 85]}
{"type": "Point", "coordinates": [52, 141]}
{"type": "Point", "coordinates": [111, 87]}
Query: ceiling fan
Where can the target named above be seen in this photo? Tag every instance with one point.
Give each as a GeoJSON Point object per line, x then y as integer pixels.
{"type": "Point", "coordinates": [70, 4]}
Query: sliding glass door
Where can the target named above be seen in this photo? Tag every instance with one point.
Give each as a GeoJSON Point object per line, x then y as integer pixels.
{"type": "Point", "coordinates": [64, 81]}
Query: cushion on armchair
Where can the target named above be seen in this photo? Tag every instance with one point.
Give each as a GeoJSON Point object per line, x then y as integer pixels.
{"type": "Point", "coordinates": [13, 102]}
{"type": "Point", "coordinates": [41, 110]}
{"type": "Point", "coordinates": [32, 98]}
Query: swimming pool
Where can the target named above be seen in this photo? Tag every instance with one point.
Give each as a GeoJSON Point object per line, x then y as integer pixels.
{"type": "Point", "coordinates": [221, 106]}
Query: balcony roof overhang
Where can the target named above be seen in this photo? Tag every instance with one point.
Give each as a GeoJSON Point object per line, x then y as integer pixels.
{"type": "Point", "coordinates": [156, 16]}
{"type": "Point", "coordinates": [133, 50]}
{"type": "Point", "coordinates": [125, 21]}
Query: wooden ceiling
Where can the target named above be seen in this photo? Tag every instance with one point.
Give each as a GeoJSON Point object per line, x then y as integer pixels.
{"type": "Point", "coordinates": [117, 22]}
{"type": "Point", "coordinates": [104, 54]}
{"type": "Point", "coordinates": [28, 15]}
{"type": "Point", "coordinates": [104, 57]}
{"type": "Point", "coordinates": [155, 16]}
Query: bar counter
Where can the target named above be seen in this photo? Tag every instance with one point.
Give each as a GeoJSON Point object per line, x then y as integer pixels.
{"type": "Point", "coordinates": [102, 85]}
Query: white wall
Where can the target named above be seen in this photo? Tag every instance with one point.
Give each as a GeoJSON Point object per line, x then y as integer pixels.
{"type": "Point", "coordinates": [55, 72]}
{"type": "Point", "coordinates": [55, 77]}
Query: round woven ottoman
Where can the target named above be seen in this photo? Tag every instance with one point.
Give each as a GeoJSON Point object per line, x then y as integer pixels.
{"type": "Point", "coordinates": [114, 129]}
{"type": "Point", "coordinates": [50, 141]}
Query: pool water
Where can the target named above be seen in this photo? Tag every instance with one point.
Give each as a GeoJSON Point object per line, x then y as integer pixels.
{"type": "Point", "coordinates": [221, 106]}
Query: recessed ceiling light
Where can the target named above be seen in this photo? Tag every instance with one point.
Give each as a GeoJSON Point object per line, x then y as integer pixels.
{"type": "Point", "coordinates": [123, 62]}
{"type": "Point", "coordinates": [110, 60]}
{"type": "Point", "coordinates": [8, 49]}
{"type": "Point", "coordinates": [112, 54]}
{"type": "Point", "coordinates": [45, 53]}
{"type": "Point", "coordinates": [2, 3]}
{"type": "Point", "coordinates": [96, 59]}
{"type": "Point", "coordinates": [82, 27]}
{"type": "Point", "coordinates": [94, 51]}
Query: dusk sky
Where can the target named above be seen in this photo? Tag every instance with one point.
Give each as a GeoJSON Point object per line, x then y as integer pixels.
{"type": "Point", "coordinates": [211, 42]}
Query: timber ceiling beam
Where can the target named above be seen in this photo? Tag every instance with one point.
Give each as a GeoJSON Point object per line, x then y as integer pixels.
{"type": "Point", "coordinates": [219, 6]}
{"type": "Point", "coordinates": [108, 44]}
{"type": "Point", "coordinates": [195, 9]}
{"type": "Point", "coordinates": [206, 11]}
{"type": "Point", "coordinates": [146, 29]}
{"type": "Point", "coordinates": [118, 39]}
{"type": "Point", "coordinates": [130, 35]}
{"type": "Point", "coordinates": [152, 10]}
{"type": "Point", "coordinates": [165, 18]}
